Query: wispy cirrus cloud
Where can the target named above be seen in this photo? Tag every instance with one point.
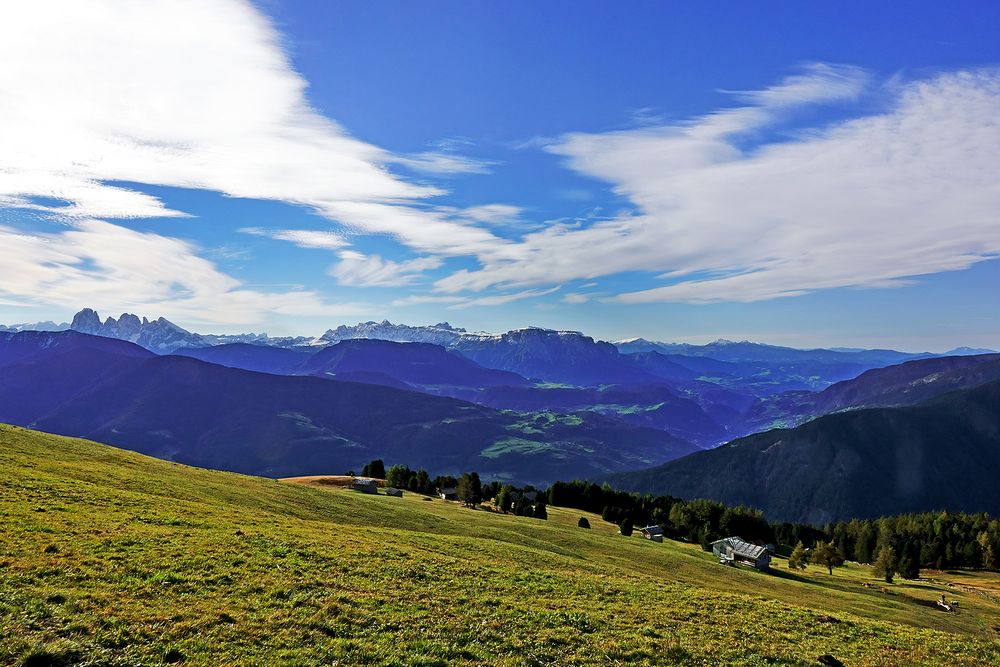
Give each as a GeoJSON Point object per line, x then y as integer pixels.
{"type": "Point", "coordinates": [359, 270]}
{"type": "Point", "coordinates": [724, 211]}
{"type": "Point", "coordinates": [303, 238]}
{"type": "Point", "coordinates": [189, 94]}
{"type": "Point", "coordinates": [111, 267]}
{"type": "Point", "coordinates": [501, 299]}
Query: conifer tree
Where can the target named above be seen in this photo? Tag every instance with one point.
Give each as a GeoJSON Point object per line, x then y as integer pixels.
{"type": "Point", "coordinates": [986, 547]}
{"type": "Point", "coordinates": [505, 499]}
{"type": "Point", "coordinates": [824, 553]}
{"type": "Point", "coordinates": [799, 557]}
{"type": "Point", "coordinates": [540, 512]}
{"type": "Point", "coordinates": [885, 564]}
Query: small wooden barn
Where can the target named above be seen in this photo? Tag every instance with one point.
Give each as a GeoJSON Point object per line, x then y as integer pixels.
{"type": "Point", "coordinates": [448, 493]}
{"type": "Point", "coordinates": [365, 485]}
{"type": "Point", "coordinates": [394, 492]}
{"type": "Point", "coordinates": [654, 533]}
{"type": "Point", "coordinates": [737, 551]}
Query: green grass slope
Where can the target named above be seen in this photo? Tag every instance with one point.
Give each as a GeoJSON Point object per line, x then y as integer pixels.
{"type": "Point", "coordinates": [112, 558]}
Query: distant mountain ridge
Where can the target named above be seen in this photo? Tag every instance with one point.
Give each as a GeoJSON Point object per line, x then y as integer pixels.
{"type": "Point", "coordinates": [204, 414]}
{"type": "Point", "coordinates": [163, 336]}
{"type": "Point", "coordinates": [903, 384]}
{"type": "Point", "coordinates": [940, 454]}
{"type": "Point", "coordinates": [48, 325]}
{"type": "Point", "coordinates": [442, 334]}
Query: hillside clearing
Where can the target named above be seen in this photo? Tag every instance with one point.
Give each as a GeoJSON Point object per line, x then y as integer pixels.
{"type": "Point", "coordinates": [113, 558]}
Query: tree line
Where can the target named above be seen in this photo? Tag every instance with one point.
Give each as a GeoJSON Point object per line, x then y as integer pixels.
{"type": "Point", "coordinates": [897, 545]}
{"type": "Point", "coordinates": [521, 501]}
{"type": "Point", "coordinates": [902, 544]}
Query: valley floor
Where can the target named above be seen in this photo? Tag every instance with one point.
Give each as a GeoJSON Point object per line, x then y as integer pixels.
{"type": "Point", "coordinates": [111, 558]}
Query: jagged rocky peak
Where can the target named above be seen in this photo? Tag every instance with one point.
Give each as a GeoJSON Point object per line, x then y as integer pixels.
{"type": "Point", "coordinates": [164, 337]}
{"type": "Point", "coordinates": [86, 321]}
{"type": "Point", "coordinates": [438, 334]}
{"type": "Point", "coordinates": [160, 335]}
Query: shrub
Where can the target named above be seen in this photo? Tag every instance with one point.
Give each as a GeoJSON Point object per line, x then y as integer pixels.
{"type": "Point", "coordinates": [583, 522]}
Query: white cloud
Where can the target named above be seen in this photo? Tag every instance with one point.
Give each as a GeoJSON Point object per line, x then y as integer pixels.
{"type": "Point", "coordinates": [864, 202]}
{"type": "Point", "coordinates": [303, 238]}
{"type": "Point", "coordinates": [443, 163]}
{"type": "Point", "coordinates": [359, 270]}
{"type": "Point", "coordinates": [576, 298]}
{"type": "Point", "coordinates": [181, 93]}
{"type": "Point", "coordinates": [817, 82]}
{"type": "Point", "coordinates": [111, 268]}
{"type": "Point", "coordinates": [501, 299]}
{"type": "Point", "coordinates": [493, 214]}
{"type": "Point", "coordinates": [421, 299]}
{"type": "Point", "coordinates": [191, 94]}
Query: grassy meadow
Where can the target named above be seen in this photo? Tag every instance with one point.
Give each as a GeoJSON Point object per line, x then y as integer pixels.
{"type": "Point", "coordinates": [112, 558]}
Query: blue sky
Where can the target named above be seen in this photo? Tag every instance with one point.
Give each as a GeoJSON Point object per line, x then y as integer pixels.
{"type": "Point", "coordinates": [819, 174]}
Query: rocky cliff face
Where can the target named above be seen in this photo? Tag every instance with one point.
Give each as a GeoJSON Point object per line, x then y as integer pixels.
{"type": "Point", "coordinates": [159, 335]}
{"type": "Point", "coordinates": [442, 334]}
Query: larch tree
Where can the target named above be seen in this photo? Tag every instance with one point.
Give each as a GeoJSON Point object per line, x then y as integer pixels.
{"type": "Point", "coordinates": [885, 564]}
{"type": "Point", "coordinates": [799, 557]}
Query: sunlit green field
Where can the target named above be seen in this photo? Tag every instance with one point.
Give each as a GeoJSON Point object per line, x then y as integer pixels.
{"type": "Point", "coordinates": [110, 558]}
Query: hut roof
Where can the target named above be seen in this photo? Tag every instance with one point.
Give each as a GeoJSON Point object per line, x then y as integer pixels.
{"type": "Point", "coordinates": [742, 548]}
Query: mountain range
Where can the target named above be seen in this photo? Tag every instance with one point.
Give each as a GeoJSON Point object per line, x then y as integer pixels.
{"type": "Point", "coordinates": [743, 388]}
{"type": "Point", "coordinates": [204, 414]}
{"type": "Point", "coordinates": [940, 451]}
{"type": "Point", "coordinates": [809, 433]}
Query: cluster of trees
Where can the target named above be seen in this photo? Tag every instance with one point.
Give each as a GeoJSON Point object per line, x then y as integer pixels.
{"type": "Point", "coordinates": [900, 545]}
{"type": "Point", "coordinates": [468, 486]}
{"type": "Point", "coordinates": [699, 521]}
{"type": "Point", "coordinates": [823, 553]}
{"type": "Point", "coordinates": [907, 543]}
{"type": "Point", "coordinates": [519, 502]}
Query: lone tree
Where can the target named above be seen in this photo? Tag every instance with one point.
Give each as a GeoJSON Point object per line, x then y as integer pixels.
{"type": "Point", "coordinates": [540, 512]}
{"type": "Point", "coordinates": [505, 498]}
{"type": "Point", "coordinates": [799, 557]}
{"type": "Point", "coordinates": [374, 469]}
{"type": "Point", "coordinates": [986, 547]}
{"type": "Point", "coordinates": [625, 527]}
{"type": "Point", "coordinates": [885, 564]}
{"type": "Point", "coordinates": [470, 489]}
{"type": "Point", "coordinates": [825, 553]}
{"type": "Point", "coordinates": [583, 522]}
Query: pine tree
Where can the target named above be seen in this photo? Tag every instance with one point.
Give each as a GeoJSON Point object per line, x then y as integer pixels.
{"type": "Point", "coordinates": [374, 469]}
{"type": "Point", "coordinates": [986, 546]}
{"type": "Point", "coordinates": [885, 564]}
{"type": "Point", "coordinates": [505, 499]}
{"type": "Point", "coordinates": [826, 554]}
{"type": "Point", "coordinates": [540, 512]}
{"type": "Point", "coordinates": [469, 489]}
{"type": "Point", "coordinates": [799, 557]}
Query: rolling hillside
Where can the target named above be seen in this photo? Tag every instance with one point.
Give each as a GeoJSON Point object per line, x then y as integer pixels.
{"type": "Point", "coordinates": [908, 383]}
{"type": "Point", "coordinates": [198, 413]}
{"type": "Point", "coordinates": [943, 453]}
{"type": "Point", "coordinates": [112, 558]}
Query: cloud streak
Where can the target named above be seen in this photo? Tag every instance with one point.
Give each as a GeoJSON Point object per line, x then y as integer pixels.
{"type": "Point", "coordinates": [723, 215]}
{"type": "Point", "coordinates": [111, 267]}
{"type": "Point", "coordinates": [190, 94]}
